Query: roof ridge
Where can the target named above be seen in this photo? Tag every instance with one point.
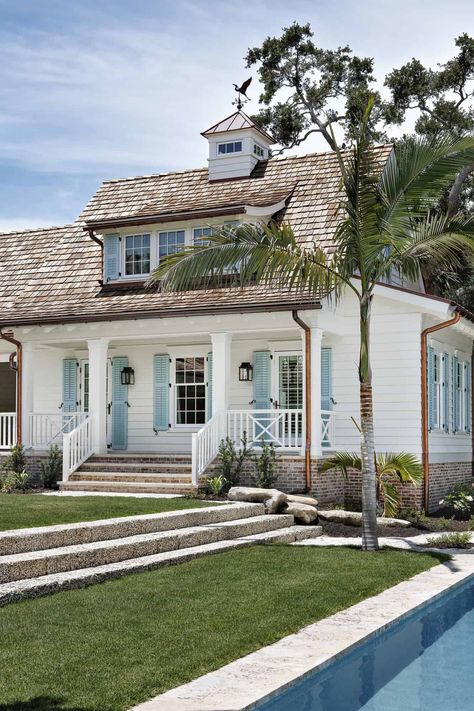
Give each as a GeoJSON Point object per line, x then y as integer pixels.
{"type": "Point", "coordinates": [275, 159]}
{"type": "Point", "coordinates": [37, 229]}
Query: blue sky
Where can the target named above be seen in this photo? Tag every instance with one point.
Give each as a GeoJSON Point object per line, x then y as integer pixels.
{"type": "Point", "coordinates": [97, 89]}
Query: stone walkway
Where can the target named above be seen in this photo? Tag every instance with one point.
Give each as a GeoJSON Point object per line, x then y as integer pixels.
{"type": "Point", "coordinates": [402, 542]}
{"type": "Point", "coordinates": [258, 676]}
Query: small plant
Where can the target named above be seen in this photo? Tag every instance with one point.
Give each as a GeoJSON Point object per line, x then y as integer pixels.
{"type": "Point", "coordinates": [8, 483]}
{"type": "Point", "coordinates": [22, 480]}
{"type": "Point", "coordinates": [216, 484]}
{"type": "Point", "coordinates": [52, 467]}
{"type": "Point", "coordinates": [265, 464]}
{"type": "Point", "coordinates": [458, 539]}
{"type": "Point", "coordinates": [231, 460]}
{"type": "Point", "coordinates": [458, 502]}
{"type": "Point", "coordinates": [16, 460]}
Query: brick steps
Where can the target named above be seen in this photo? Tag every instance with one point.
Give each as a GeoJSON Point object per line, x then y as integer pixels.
{"type": "Point", "coordinates": [144, 477]}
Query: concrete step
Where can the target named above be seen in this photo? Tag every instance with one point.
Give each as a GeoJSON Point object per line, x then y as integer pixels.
{"type": "Point", "coordinates": [145, 477]}
{"type": "Point", "coordinates": [58, 560]}
{"type": "Point", "coordinates": [54, 582]}
{"type": "Point", "coordinates": [25, 540]}
{"type": "Point", "coordinates": [126, 487]}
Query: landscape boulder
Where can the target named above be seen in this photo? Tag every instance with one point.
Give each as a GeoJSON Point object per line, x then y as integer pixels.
{"type": "Point", "coordinates": [301, 512]}
{"type": "Point", "coordinates": [306, 500]}
{"type": "Point", "coordinates": [271, 498]}
{"type": "Point", "coordinates": [354, 518]}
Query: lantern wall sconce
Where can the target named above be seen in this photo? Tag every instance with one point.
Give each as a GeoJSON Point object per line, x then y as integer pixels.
{"type": "Point", "coordinates": [245, 372]}
{"type": "Point", "coordinates": [127, 376]}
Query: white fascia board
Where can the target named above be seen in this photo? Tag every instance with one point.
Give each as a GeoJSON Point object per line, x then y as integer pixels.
{"type": "Point", "coordinates": [267, 210]}
{"type": "Point", "coordinates": [424, 304]}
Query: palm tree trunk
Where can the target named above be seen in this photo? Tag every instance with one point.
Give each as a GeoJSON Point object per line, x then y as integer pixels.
{"type": "Point", "coordinates": [367, 443]}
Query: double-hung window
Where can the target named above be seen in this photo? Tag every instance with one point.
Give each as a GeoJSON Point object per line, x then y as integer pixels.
{"type": "Point", "coordinates": [137, 255]}
{"type": "Point", "coordinates": [170, 242]}
{"type": "Point", "coordinates": [258, 150]}
{"type": "Point", "coordinates": [190, 391]}
{"type": "Point", "coordinates": [200, 234]}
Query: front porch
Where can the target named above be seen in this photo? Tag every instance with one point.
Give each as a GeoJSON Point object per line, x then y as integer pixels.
{"type": "Point", "coordinates": [176, 394]}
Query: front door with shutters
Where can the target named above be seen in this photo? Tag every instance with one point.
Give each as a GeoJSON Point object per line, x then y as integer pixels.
{"type": "Point", "coordinates": [120, 405]}
{"type": "Point", "coordinates": [288, 388]}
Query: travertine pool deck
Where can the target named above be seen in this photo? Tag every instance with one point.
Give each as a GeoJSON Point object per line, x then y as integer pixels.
{"type": "Point", "coordinates": [241, 685]}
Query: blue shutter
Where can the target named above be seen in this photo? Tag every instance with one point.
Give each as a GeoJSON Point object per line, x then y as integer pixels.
{"type": "Point", "coordinates": [119, 405]}
{"type": "Point", "coordinates": [431, 389]}
{"type": "Point", "coordinates": [111, 257]}
{"type": "Point", "coordinates": [69, 385]}
{"type": "Point", "coordinates": [445, 422]}
{"type": "Point", "coordinates": [209, 386]}
{"type": "Point", "coordinates": [455, 392]}
{"type": "Point", "coordinates": [161, 392]}
{"type": "Point", "coordinates": [467, 397]}
{"type": "Point", "coordinates": [261, 379]}
{"type": "Point", "coordinates": [326, 379]}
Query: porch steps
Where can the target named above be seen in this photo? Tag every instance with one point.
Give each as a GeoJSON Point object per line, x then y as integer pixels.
{"type": "Point", "coordinates": [39, 561]}
{"type": "Point", "coordinates": [134, 473]}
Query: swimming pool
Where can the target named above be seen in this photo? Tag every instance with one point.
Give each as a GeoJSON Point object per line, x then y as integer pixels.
{"type": "Point", "coordinates": [423, 663]}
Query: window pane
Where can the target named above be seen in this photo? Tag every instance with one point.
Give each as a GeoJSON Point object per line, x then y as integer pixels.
{"type": "Point", "coordinates": [190, 391]}
{"type": "Point", "coordinates": [238, 146]}
{"type": "Point", "coordinates": [221, 148]}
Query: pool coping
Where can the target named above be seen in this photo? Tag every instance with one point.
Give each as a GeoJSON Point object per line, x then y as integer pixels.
{"type": "Point", "coordinates": [247, 682]}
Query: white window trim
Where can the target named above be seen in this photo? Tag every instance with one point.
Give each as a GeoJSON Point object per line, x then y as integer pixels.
{"type": "Point", "coordinates": [123, 241]}
{"type": "Point", "coordinates": [225, 143]}
{"type": "Point", "coordinates": [185, 352]}
{"type": "Point", "coordinates": [440, 350]}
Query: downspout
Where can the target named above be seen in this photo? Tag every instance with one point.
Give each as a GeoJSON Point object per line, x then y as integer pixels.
{"type": "Point", "coordinates": [19, 377]}
{"type": "Point", "coordinates": [424, 403]}
{"type": "Point", "coordinates": [95, 239]}
{"type": "Point", "coordinates": [307, 385]}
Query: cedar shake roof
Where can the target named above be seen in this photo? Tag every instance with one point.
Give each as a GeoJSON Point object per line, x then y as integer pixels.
{"type": "Point", "coordinates": [53, 275]}
{"type": "Point", "coordinates": [237, 122]}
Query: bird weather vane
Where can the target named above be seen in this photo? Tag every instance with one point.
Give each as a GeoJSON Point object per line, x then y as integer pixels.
{"type": "Point", "coordinates": [241, 91]}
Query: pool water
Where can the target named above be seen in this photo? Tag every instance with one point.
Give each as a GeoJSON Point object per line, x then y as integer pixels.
{"type": "Point", "coordinates": [424, 663]}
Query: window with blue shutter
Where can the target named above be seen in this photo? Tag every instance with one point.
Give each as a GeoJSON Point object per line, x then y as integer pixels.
{"type": "Point", "coordinates": [119, 405]}
{"type": "Point", "coordinates": [161, 392]}
{"type": "Point", "coordinates": [70, 385]}
{"type": "Point", "coordinates": [456, 393]}
{"type": "Point", "coordinates": [467, 397]}
{"type": "Point", "coordinates": [209, 386]}
{"type": "Point", "coordinates": [326, 387]}
{"type": "Point", "coordinates": [112, 269]}
{"type": "Point", "coordinates": [445, 389]}
{"type": "Point", "coordinates": [432, 390]}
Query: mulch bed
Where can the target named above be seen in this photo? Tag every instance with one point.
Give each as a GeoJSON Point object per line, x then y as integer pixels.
{"type": "Point", "coordinates": [341, 530]}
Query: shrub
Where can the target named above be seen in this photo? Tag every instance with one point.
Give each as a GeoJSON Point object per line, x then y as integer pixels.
{"type": "Point", "coordinates": [216, 484]}
{"type": "Point", "coordinates": [458, 502]}
{"type": "Point", "coordinates": [231, 460]}
{"type": "Point", "coordinates": [14, 481]}
{"type": "Point", "coordinates": [52, 467]}
{"type": "Point", "coordinates": [7, 483]}
{"type": "Point", "coordinates": [458, 539]}
{"type": "Point", "coordinates": [16, 460]}
{"type": "Point", "coordinates": [265, 464]}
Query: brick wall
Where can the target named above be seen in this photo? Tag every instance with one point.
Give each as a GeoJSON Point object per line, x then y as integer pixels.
{"type": "Point", "coordinates": [442, 478]}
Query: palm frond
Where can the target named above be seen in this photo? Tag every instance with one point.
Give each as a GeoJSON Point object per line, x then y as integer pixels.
{"type": "Point", "coordinates": [391, 498]}
{"type": "Point", "coordinates": [403, 465]}
{"type": "Point", "coordinates": [342, 461]}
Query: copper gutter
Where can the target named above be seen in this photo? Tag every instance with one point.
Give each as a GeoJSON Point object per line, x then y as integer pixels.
{"type": "Point", "coordinates": [307, 385]}
{"type": "Point", "coordinates": [93, 237]}
{"type": "Point", "coordinates": [424, 403]}
{"type": "Point", "coordinates": [19, 376]}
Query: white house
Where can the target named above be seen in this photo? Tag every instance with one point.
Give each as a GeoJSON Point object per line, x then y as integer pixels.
{"type": "Point", "coordinates": [139, 386]}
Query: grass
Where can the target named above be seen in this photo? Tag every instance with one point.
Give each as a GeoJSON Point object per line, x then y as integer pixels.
{"type": "Point", "coordinates": [110, 646]}
{"type": "Point", "coordinates": [30, 510]}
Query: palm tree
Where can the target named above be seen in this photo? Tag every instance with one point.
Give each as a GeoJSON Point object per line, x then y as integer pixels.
{"type": "Point", "coordinates": [387, 223]}
{"type": "Point", "coordinates": [403, 466]}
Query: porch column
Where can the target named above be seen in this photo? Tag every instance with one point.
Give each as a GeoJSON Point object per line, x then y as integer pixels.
{"type": "Point", "coordinates": [98, 348]}
{"type": "Point", "coordinates": [316, 340]}
{"type": "Point", "coordinates": [221, 376]}
{"type": "Point", "coordinates": [27, 391]}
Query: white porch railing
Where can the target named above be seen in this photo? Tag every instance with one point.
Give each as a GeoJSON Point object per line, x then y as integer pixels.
{"type": "Point", "coordinates": [7, 429]}
{"type": "Point", "coordinates": [282, 428]}
{"type": "Point", "coordinates": [77, 446]}
{"type": "Point", "coordinates": [47, 428]}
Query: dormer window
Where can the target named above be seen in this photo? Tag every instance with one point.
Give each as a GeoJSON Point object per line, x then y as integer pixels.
{"type": "Point", "coordinates": [230, 147]}
{"type": "Point", "coordinates": [258, 150]}
{"type": "Point", "coordinates": [137, 255]}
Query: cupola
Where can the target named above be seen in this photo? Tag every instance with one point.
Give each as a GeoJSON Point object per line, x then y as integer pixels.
{"type": "Point", "coordinates": [236, 145]}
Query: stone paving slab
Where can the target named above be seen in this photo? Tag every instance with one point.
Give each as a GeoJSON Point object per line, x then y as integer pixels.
{"type": "Point", "coordinates": [240, 685]}
{"type": "Point", "coordinates": [111, 493]}
{"type": "Point", "coordinates": [48, 584]}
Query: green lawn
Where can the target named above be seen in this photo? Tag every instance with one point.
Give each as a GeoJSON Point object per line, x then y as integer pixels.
{"type": "Point", "coordinates": [110, 646]}
{"type": "Point", "coordinates": [29, 510]}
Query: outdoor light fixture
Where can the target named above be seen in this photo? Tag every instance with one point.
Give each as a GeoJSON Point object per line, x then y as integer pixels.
{"type": "Point", "coordinates": [245, 372]}
{"type": "Point", "coordinates": [127, 376]}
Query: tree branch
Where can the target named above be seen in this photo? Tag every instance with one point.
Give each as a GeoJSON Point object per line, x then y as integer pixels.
{"type": "Point", "coordinates": [455, 192]}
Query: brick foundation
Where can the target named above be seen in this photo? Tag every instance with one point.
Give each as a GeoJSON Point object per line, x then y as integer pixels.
{"type": "Point", "coordinates": [443, 477]}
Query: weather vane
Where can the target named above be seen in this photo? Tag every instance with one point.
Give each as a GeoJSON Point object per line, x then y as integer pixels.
{"type": "Point", "coordinates": [241, 91]}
